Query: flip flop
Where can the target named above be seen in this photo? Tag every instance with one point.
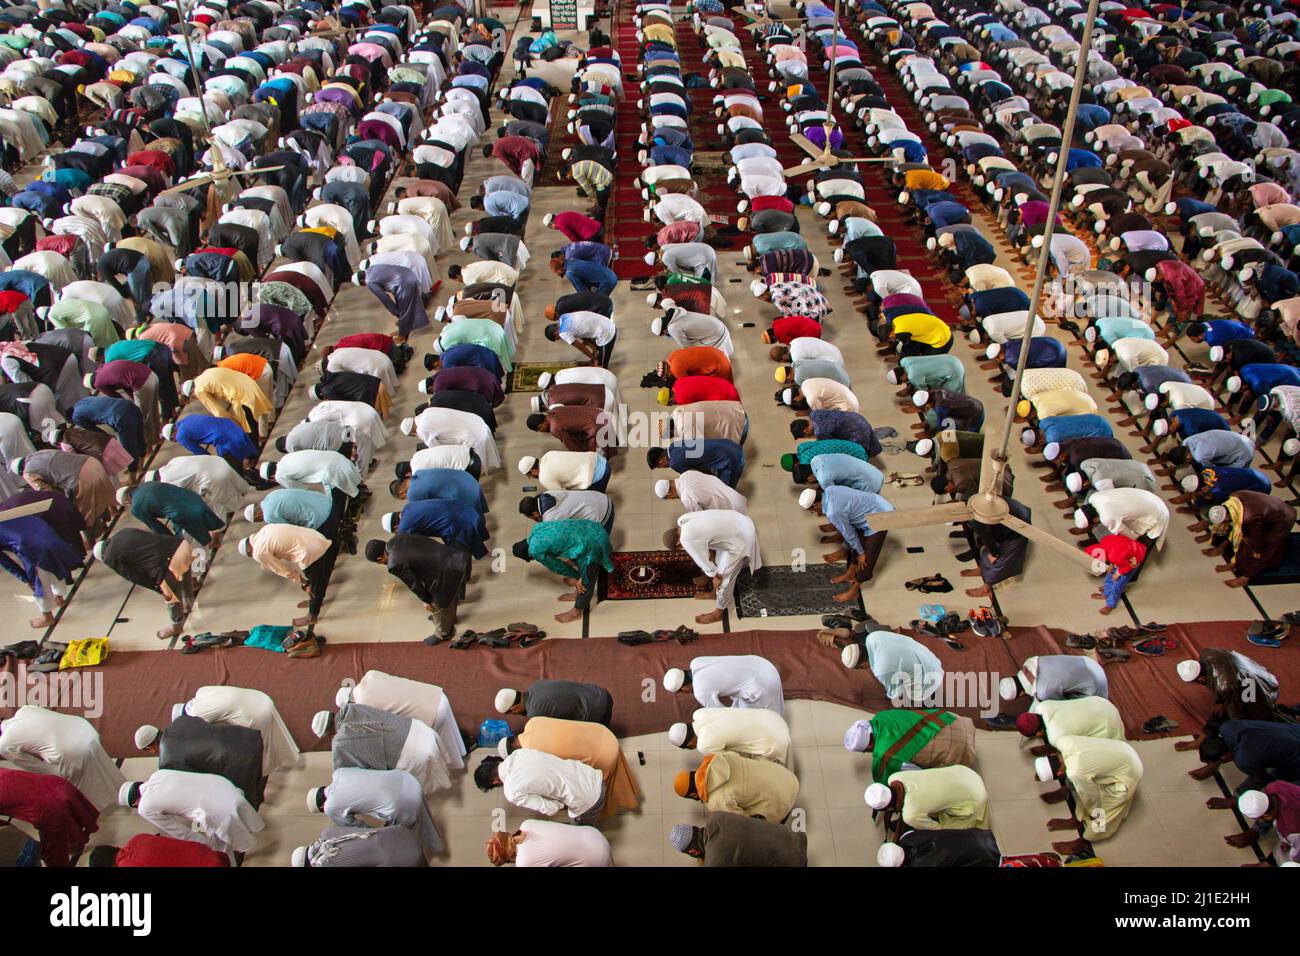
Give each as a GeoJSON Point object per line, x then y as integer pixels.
{"type": "Point", "coordinates": [1260, 640]}
{"type": "Point", "coordinates": [1117, 654]}
{"type": "Point", "coordinates": [1151, 648]}
{"type": "Point", "coordinates": [1159, 724]}
{"type": "Point", "coordinates": [1084, 642]}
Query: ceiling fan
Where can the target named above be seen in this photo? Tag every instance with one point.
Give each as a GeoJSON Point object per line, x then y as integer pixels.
{"type": "Point", "coordinates": [1183, 24]}
{"type": "Point", "coordinates": [822, 156]}
{"type": "Point", "coordinates": [762, 19]}
{"type": "Point", "coordinates": [989, 506]}
{"type": "Point", "coordinates": [221, 173]}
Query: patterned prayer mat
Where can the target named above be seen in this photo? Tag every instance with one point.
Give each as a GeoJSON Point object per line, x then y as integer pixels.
{"type": "Point", "coordinates": [524, 375]}
{"type": "Point", "coordinates": [784, 592]}
{"type": "Point", "coordinates": [641, 575]}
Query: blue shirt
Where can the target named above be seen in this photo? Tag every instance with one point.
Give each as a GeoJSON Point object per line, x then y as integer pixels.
{"type": "Point", "coordinates": [429, 484]}
{"type": "Point", "coordinates": [721, 456]}
{"type": "Point", "coordinates": [849, 510]}
{"type": "Point", "coordinates": [505, 204]}
{"type": "Point", "coordinates": [477, 356]}
{"type": "Point", "coordinates": [848, 426]}
{"type": "Point", "coordinates": [1222, 331]}
{"type": "Point", "coordinates": [848, 472]}
{"type": "Point", "coordinates": [588, 252]}
{"type": "Point", "coordinates": [195, 432]}
{"type": "Point", "coordinates": [453, 521]}
{"type": "Point", "coordinates": [590, 276]}
{"type": "Point", "coordinates": [119, 414]}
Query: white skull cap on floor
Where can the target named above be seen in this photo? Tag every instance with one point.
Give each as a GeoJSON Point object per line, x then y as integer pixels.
{"type": "Point", "coordinates": [851, 656]}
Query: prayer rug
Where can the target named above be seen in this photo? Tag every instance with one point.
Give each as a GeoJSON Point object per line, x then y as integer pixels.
{"type": "Point", "coordinates": [785, 592]}
{"type": "Point", "coordinates": [643, 575]}
{"type": "Point", "coordinates": [524, 375]}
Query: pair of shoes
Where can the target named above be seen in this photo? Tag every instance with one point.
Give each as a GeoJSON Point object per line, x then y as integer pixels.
{"type": "Point", "coordinates": [930, 584]}
{"type": "Point", "coordinates": [1159, 724]}
{"type": "Point", "coordinates": [1083, 642]}
{"type": "Point", "coordinates": [984, 622]}
{"type": "Point", "coordinates": [1115, 654]}
{"type": "Point", "coordinates": [308, 648]}
{"type": "Point", "coordinates": [1155, 646]}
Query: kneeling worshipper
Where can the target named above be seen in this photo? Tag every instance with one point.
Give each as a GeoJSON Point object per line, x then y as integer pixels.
{"type": "Point", "coordinates": [361, 847]}
{"type": "Point", "coordinates": [203, 807]}
{"type": "Point", "coordinates": [245, 707]}
{"type": "Point", "coordinates": [375, 739]}
{"type": "Point", "coordinates": [1076, 717]}
{"type": "Point", "coordinates": [68, 746]}
{"type": "Point", "coordinates": [393, 797]}
{"type": "Point", "coordinates": [194, 745]}
{"type": "Point", "coordinates": [545, 784]}
{"type": "Point", "coordinates": [732, 782]}
{"type": "Point", "coordinates": [732, 839]}
{"type": "Point", "coordinates": [745, 680]}
{"type": "Point", "coordinates": [1056, 677]}
{"type": "Point", "coordinates": [1242, 689]}
{"type": "Point", "coordinates": [907, 669]}
{"type": "Point", "coordinates": [159, 562]}
{"type": "Point", "coordinates": [547, 843]}
{"type": "Point", "coordinates": [590, 743]}
{"type": "Point", "coordinates": [750, 731]}
{"type": "Point", "coordinates": [563, 699]}
{"type": "Point", "coordinates": [1103, 775]}
{"type": "Point", "coordinates": [912, 740]}
{"type": "Point", "coordinates": [941, 848]}
{"type": "Point", "coordinates": [435, 572]}
{"type": "Point", "coordinates": [722, 543]}
{"type": "Point", "coordinates": [1277, 804]}
{"type": "Point", "coordinates": [62, 816]}
{"type": "Point", "coordinates": [426, 703]}
{"type": "Point", "coordinates": [942, 798]}
{"type": "Point", "coordinates": [156, 850]}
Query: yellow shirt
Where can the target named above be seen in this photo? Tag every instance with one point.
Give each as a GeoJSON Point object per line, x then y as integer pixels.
{"type": "Point", "coordinates": [924, 328]}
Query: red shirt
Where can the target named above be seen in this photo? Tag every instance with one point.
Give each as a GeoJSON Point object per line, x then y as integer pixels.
{"type": "Point", "coordinates": [575, 226]}
{"type": "Point", "coordinates": [1115, 549]}
{"type": "Point", "coordinates": [59, 811]}
{"type": "Point", "coordinates": [686, 231]}
{"type": "Point", "coordinates": [152, 849]}
{"type": "Point", "coordinates": [703, 388]}
{"type": "Point", "coordinates": [759, 203]}
{"type": "Point", "coordinates": [791, 327]}
{"type": "Point", "coordinates": [11, 301]}
{"type": "Point", "coordinates": [375, 341]}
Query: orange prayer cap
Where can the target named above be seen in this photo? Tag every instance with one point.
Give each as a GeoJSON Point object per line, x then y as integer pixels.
{"type": "Point", "coordinates": [1023, 408]}
{"type": "Point", "coordinates": [496, 849]}
{"type": "Point", "coordinates": [550, 311]}
{"type": "Point", "coordinates": [682, 783]}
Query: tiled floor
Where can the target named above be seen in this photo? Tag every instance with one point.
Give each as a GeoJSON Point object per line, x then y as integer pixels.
{"type": "Point", "coordinates": [1169, 824]}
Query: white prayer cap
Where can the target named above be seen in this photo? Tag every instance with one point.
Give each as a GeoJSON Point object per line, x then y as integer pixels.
{"type": "Point", "coordinates": [503, 748]}
{"type": "Point", "coordinates": [1052, 451]}
{"type": "Point", "coordinates": [1189, 670]}
{"type": "Point", "coordinates": [250, 513]}
{"type": "Point", "coordinates": [657, 326]}
{"type": "Point", "coordinates": [677, 734]}
{"type": "Point", "coordinates": [952, 240]}
{"type": "Point", "coordinates": [187, 388]}
{"type": "Point", "coordinates": [878, 796]}
{"type": "Point", "coordinates": [388, 521]}
{"type": "Point", "coordinates": [464, 244]}
{"type": "Point", "coordinates": [1291, 446]}
{"type": "Point", "coordinates": [807, 498]}
{"type": "Point", "coordinates": [851, 655]}
{"type": "Point", "coordinates": [88, 380]}
{"type": "Point", "coordinates": [299, 857]}
{"type": "Point", "coordinates": [168, 430]}
{"type": "Point", "coordinates": [343, 695]}
{"type": "Point", "coordinates": [544, 380]}
{"type": "Point", "coordinates": [1080, 519]}
{"type": "Point", "coordinates": [1234, 384]}
{"type": "Point", "coordinates": [16, 466]}
{"type": "Point", "coordinates": [526, 464]}
{"type": "Point", "coordinates": [649, 258]}
{"type": "Point", "coordinates": [823, 209]}
{"type": "Point", "coordinates": [265, 470]}
{"type": "Point", "coordinates": [1036, 242]}
{"type": "Point", "coordinates": [320, 723]}
{"type": "Point", "coordinates": [1043, 769]}
{"type": "Point", "coordinates": [662, 487]}
{"type": "Point", "coordinates": [408, 425]}
{"type": "Point", "coordinates": [422, 386]}
{"type": "Point", "coordinates": [145, 735]}
{"type": "Point", "coordinates": [838, 254]}
{"type": "Point", "coordinates": [890, 855]}
{"type": "Point", "coordinates": [1074, 482]}
{"type": "Point", "coordinates": [1007, 688]}
{"type": "Point", "coordinates": [924, 447]}
{"type": "Point", "coordinates": [505, 699]}
{"type": "Point", "coordinates": [1152, 402]}
{"type": "Point", "coordinates": [674, 680]}
{"type": "Point", "coordinates": [787, 395]}
{"type": "Point", "coordinates": [313, 800]}
{"type": "Point", "coordinates": [122, 494]}
{"type": "Point", "coordinates": [1218, 514]}
{"type": "Point", "coordinates": [833, 228]}
{"type": "Point", "coordinates": [652, 299]}
{"type": "Point", "coordinates": [1253, 804]}
{"type": "Point", "coordinates": [931, 244]}
{"type": "Point", "coordinates": [1190, 483]}
{"type": "Point", "coordinates": [858, 737]}
{"type": "Point", "coordinates": [993, 351]}
{"type": "Point", "coordinates": [124, 793]}
{"type": "Point", "coordinates": [245, 548]}
{"type": "Point", "coordinates": [1161, 427]}
{"type": "Point", "coordinates": [892, 376]}
{"type": "Point", "coordinates": [1216, 353]}
{"type": "Point", "coordinates": [758, 287]}
{"type": "Point", "coordinates": [920, 398]}
{"type": "Point", "coordinates": [178, 711]}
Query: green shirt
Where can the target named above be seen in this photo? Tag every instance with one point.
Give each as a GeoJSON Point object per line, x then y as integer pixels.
{"type": "Point", "coordinates": [131, 350]}
{"type": "Point", "coordinates": [809, 450]}
{"type": "Point", "coordinates": [890, 726]}
{"type": "Point", "coordinates": [491, 335]}
{"type": "Point", "coordinates": [583, 543]}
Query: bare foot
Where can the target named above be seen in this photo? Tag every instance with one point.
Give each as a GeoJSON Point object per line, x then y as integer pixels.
{"type": "Point", "coordinates": [706, 595]}
{"type": "Point", "coordinates": [985, 591]}
{"type": "Point", "coordinates": [1105, 610]}
{"type": "Point", "coordinates": [564, 617]}
{"type": "Point", "coordinates": [1071, 847]}
{"type": "Point", "coordinates": [1055, 796]}
{"type": "Point", "coordinates": [1063, 823]}
{"type": "Point", "coordinates": [305, 621]}
{"type": "Point", "coordinates": [709, 617]}
{"type": "Point", "coordinates": [1219, 803]}
{"type": "Point", "coordinates": [850, 595]}
{"type": "Point", "coordinates": [1242, 840]}
{"type": "Point", "coordinates": [167, 633]}
{"type": "Point", "coordinates": [303, 604]}
{"type": "Point", "coordinates": [970, 572]}
{"type": "Point", "coordinates": [1238, 582]}
{"type": "Point", "coordinates": [568, 597]}
{"type": "Point", "coordinates": [1187, 745]}
{"type": "Point", "coordinates": [45, 620]}
{"type": "Point", "coordinates": [836, 556]}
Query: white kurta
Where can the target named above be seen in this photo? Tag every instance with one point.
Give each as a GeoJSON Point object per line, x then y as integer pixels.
{"type": "Point", "coordinates": [547, 843]}
{"type": "Point", "coordinates": [45, 741]}
{"type": "Point", "coordinates": [202, 807]}
{"type": "Point", "coordinates": [547, 784]}
{"type": "Point", "coordinates": [450, 426]}
{"type": "Point", "coordinates": [753, 732]}
{"type": "Point", "coordinates": [745, 679]}
{"type": "Point", "coordinates": [248, 708]}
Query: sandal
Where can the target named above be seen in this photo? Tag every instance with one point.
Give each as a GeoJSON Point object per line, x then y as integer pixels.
{"type": "Point", "coordinates": [535, 637]}
{"type": "Point", "coordinates": [1259, 640]}
{"type": "Point", "coordinates": [1083, 642]}
{"type": "Point", "coordinates": [1159, 724]}
{"type": "Point", "coordinates": [1117, 654]}
{"type": "Point", "coordinates": [1150, 648]}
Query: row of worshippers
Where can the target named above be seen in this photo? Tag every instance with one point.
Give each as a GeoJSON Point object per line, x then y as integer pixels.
{"type": "Point", "coordinates": [214, 760]}
{"type": "Point", "coordinates": [261, 348]}
{"type": "Point", "coordinates": [1121, 329]}
{"type": "Point", "coordinates": [142, 336]}
{"type": "Point", "coordinates": [708, 424]}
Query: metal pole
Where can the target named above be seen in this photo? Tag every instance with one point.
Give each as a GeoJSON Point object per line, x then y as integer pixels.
{"type": "Point", "coordinates": [830, 91]}
{"type": "Point", "coordinates": [1058, 185]}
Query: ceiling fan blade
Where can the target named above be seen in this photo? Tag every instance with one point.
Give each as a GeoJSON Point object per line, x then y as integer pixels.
{"type": "Point", "coordinates": [206, 179]}
{"type": "Point", "coordinates": [22, 511]}
{"type": "Point", "coordinates": [921, 517]}
{"type": "Point", "coordinates": [1050, 541]}
{"type": "Point", "coordinates": [992, 444]}
{"type": "Point", "coordinates": [809, 167]}
{"type": "Point", "coordinates": [254, 170]}
{"type": "Point", "coordinates": [807, 145]}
